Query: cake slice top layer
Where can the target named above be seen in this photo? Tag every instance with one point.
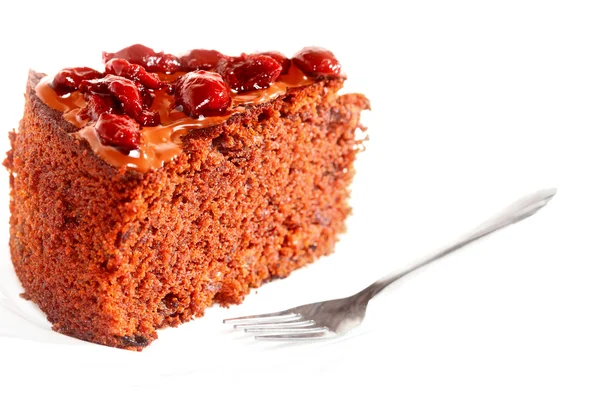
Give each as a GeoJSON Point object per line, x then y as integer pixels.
{"type": "Point", "coordinates": [134, 113]}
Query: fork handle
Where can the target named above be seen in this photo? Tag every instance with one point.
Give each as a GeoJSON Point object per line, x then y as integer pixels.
{"type": "Point", "coordinates": [518, 211]}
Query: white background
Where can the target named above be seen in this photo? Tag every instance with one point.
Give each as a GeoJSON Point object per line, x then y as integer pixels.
{"type": "Point", "coordinates": [475, 103]}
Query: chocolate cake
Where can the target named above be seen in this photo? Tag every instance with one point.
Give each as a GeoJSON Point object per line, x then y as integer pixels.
{"type": "Point", "coordinates": [143, 194]}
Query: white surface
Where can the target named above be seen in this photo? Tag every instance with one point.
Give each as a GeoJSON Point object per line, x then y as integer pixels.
{"type": "Point", "coordinates": [474, 105]}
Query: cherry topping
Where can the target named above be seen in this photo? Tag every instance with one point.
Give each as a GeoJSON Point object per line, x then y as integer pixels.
{"type": "Point", "coordinates": [280, 58]}
{"type": "Point", "coordinates": [147, 58]}
{"type": "Point", "coordinates": [147, 95]}
{"type": "Point", "coordinates": [201, 59]}
{"type": "Point", "coordinates": [119, 101]}
{"type": "Point", "coordinates": [249, 72]}
{"type": "Point", "coordinates": [119, 131]}
{"type": "Point", "coordinates": [148, 118]}
{"type": "Point", "coordinates": [315, 61]}
{"type": "Point", "coordinates": [97, 105]}
{"type": "Point", "coordinates": [202, 93]}
{"type": "Point", "coordinates": [124, 91]}
{"type": "Point", "coordinates": [68, 79]}
{"type": "Point", "coordinates": [120, 67]}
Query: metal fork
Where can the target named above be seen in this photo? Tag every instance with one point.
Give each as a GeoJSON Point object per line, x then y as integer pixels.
{"type": "Point", "coordinates": [332, 318]}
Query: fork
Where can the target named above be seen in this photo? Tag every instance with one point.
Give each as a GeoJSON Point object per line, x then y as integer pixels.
{"type": "Point", "coordinates": [333, 318]}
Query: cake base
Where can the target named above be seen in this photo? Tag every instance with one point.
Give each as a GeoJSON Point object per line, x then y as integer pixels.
{"type": "Point", "coordinates": [111, 255]}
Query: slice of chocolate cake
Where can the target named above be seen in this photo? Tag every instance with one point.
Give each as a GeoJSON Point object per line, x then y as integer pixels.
{"type": "Point", "coordinates": [145, 193]}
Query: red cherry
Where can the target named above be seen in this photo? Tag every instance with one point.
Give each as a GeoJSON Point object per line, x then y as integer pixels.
{"type": "Point", "coordinates": [202, 93]}
{"type": "Point", "coordinates": [69, 79]}
{"type": "Point", "coordinates": [120, 67]}
{"type": "Point", "coordinates": [97, 105]}
{"type": "Point", "coordinates": [280, 58]}
{"type": "Point", "coordinates": [201, 59]}
{"type": "Point", "coordinates": [122, 89]}
{"type": "Point", "coordinates": [250, 72]}
{"type": "Point", "coordinates": [118, 131]}
{"type": "Point", "coordinates": [315, 61]}
{"type": "Point", "coordinates": [125, 92]}
{"type": "Point", "coordinates": [147, 58]}
{"type": "Point", "coordinates": [148, 118]}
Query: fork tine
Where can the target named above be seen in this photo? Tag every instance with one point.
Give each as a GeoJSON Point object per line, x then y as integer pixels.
{"type": "Point", "coordinates": [306, 326]}
{"type": "Point", "coordinates": [276, 324]}
{"type": "Point", "coordinates": [274, 316]}
{"type": "Point", "coordinates": [321, 333]}
{"type": "Point", "coordinates": [259, 322]}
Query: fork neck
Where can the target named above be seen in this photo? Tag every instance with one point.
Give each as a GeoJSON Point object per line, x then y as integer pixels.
{"type": "Point", "coordinates": [514, 213]}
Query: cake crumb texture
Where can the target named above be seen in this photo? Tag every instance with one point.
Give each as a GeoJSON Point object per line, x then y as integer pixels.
{"type": "Point", "coordinates": [111, 255]}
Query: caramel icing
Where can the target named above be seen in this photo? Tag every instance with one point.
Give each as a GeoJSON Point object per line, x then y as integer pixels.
{"type": "Point", "coordinates": [162, 143]}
